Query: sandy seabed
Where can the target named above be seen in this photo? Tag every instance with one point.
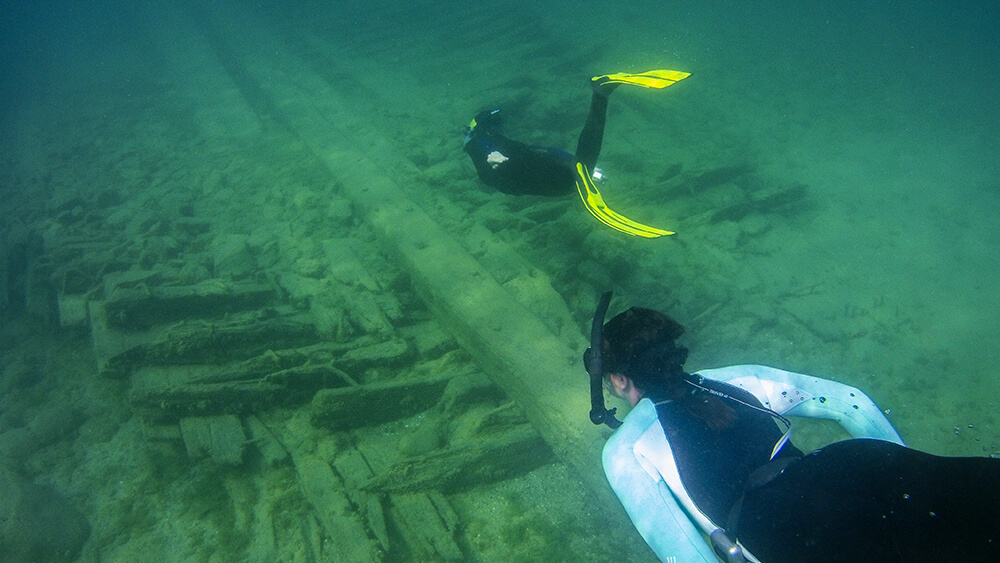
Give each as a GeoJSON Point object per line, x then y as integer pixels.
{"type": "Point", "coordinates": [834, 191]}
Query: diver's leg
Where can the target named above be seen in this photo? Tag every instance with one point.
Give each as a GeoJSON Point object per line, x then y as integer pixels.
{"type": "Point", "coordinates": [871, 500]}
{"type": "Point", "coordinates": [588, 148]}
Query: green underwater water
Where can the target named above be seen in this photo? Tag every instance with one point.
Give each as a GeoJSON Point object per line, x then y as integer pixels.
{"type": "Point", "coordinates": [829, 169]}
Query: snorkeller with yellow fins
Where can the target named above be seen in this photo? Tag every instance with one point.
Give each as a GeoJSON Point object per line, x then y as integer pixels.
{"type": "Point", "coordinates": [519, 169]}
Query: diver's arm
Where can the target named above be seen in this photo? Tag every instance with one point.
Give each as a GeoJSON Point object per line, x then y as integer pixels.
{"type": "Point", "coordinates": [654, 511]}
{"type": "Point", "coordinates": [796, 394]}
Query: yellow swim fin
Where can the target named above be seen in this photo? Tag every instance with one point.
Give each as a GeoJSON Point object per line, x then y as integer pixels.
{"type": "Point", "coordinates": [594, 203]}
{"type": "Point", "coordinates": [648, 79]}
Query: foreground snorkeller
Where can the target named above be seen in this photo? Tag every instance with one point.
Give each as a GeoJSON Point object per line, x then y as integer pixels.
{"type": "Point", "coordinates": [708, 455]}
{"type": "Point", "coordinates": [519, 169]}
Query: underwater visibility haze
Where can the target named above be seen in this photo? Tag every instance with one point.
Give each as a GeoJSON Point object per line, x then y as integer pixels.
{"type": "Point", "coordinates": [257, 305]}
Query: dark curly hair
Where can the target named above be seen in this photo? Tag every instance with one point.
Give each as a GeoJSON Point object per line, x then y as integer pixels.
{"type": "Point", "coordinates": [641, 344]}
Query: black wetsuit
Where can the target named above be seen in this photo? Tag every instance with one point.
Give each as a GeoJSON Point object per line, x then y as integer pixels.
{"type": "Point", "coordinates": [714, 465]}
{"type": "Point", "coordinates": [519, 169]}
{"type": "Point", "coordinates": [871, 500]}
{"type": "Point", "coordinates": [855, 500]}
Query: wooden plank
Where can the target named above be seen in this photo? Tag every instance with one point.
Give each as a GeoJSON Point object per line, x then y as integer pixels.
{"type": "Point", "coordinates": [425, 519]}
{"type": "Point", "coordinates": [168, 392]}
{"type": "Point", "coordinates": [133, 308]}
{"type": "Point", "coordinates": [219, 437]}
{"type": "Point", "coordinates": [355, 470]}
{"type": "Point", "coordinates": [502, 455]}
{"type": "Point", "coordinates": [370, 405]}
{"type": "Point", "coordinates": [270, 448]}
{"type": "Point", "coordinates": [237, 338]}
{"type": "Point", "coordinates": [348, 538]}
{"type": "Point", "coordinates": [426, 532]}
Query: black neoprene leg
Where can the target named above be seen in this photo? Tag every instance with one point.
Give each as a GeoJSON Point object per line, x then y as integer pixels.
{"type": "Point", "coordinates": [588, 148]}
{"type": "Point", "coordinates": [869, 500]}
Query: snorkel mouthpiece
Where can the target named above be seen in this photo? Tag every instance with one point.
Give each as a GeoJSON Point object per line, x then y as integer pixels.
{"type": "Point", "coordinates": [592, 360]}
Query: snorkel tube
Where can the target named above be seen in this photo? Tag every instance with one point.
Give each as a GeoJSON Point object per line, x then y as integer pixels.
{"type": "Point", "coordinates": [592, 359]}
